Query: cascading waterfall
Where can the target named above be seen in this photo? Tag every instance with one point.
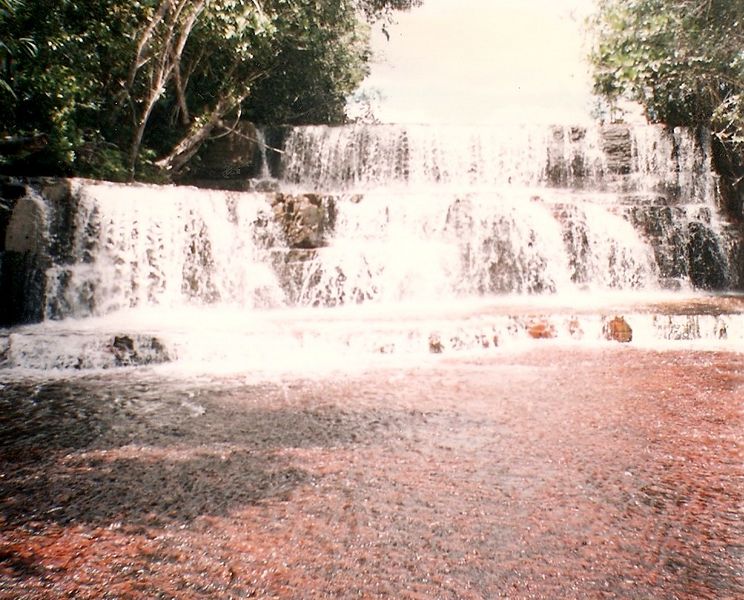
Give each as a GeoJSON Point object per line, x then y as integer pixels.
{"type": "Point", "coordinates": [468, 219]}
{"type": "Point", "coordinates": [523, 210]}
{"type": "Point", "coordinates": [136, 246]}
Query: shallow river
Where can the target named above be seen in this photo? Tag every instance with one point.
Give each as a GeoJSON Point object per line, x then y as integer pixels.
{"type": "Point", "coordinates": [559, 472]}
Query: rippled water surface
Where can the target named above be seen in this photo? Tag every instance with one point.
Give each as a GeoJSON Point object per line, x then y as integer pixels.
{"type": "Point", "coordinates": [553, 473]}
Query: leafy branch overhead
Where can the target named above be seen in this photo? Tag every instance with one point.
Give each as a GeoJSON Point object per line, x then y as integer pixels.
{"type": "Point", "coordinates": [682, 60]}
{"type": "Point", "coordinates": [126, 88]}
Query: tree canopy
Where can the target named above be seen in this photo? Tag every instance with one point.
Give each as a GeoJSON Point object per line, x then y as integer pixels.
{"type": "Point", "coordinates": [682, 60]}
{"type": "Point", "coordinates": [125, 88]}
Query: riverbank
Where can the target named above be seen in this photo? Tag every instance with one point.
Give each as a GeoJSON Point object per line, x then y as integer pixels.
{"type": "Point", "coordinates": [551, 474]}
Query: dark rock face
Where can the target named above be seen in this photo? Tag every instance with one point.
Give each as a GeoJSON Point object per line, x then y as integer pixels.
{"type": "Point", "coordinates": [707, 262]}
{"type": "Point", "coordinates": [730, 167]}
{"type": "Point", "coordinates": [617, 146]}
{"type": "Point", "coordinates": [22, 283]}
{"type": "Point", "coordinates": [26, 246]}
{"type": "Point", "coordinates": [306, 219]}
{"type": "Point", "coordinates": [231, 159]}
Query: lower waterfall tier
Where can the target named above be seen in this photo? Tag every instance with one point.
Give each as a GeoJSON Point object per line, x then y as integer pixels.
{"type": "Point", "coordinates": [213, 340]}
{"type": "Point", "coordinates": [101, 248]}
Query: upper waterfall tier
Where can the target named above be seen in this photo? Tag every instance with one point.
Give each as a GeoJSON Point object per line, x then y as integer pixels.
{"type": "Point", "coordinates": [646, 159]}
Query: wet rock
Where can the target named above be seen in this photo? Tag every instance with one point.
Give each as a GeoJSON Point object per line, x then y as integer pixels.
{"type": "Point", "coordinates": [485, 342]}
{"type": "Point", "coordinates": [24, 259]}
{"type": "Point", "coordinates": [4, 349]}
{"type": "Point", "coordinates": [706, 258]}
{"type": "Point", "coordinates": [26, 230]}
{"type": "Point", "coordinates": [306, 219]}
{"type": "Point", "coordinates": [265, 185]}
{"type": "Point", "coordinates": [435, 344]}
{"type": "Point", "coordinates": [123, 350]}
{"type": "Point", "coordinates": [456, 343]}
{"type": "Point", "coordinates": [575, 330]}
{"type": "Point", "coordinates": [721, 329]}
{"type": "Point", "coordinates": [618, 148]}
{"type": "Point", "coordinates": [541, 330]}
{"type": "Point", "coordinates": [618, 330]}
{"type": "Point", "coordinates": [678, 327]}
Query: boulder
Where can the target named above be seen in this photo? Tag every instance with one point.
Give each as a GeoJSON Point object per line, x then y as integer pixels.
{"type": "Point", "coordinates": [540, 330]}
{"type": "Point", "coordinates": [485, 341]}
{"type": "Point", "coordinates": [706, 258]}
{"type": "Point", "coordinates": [26, 230]}
{"type": "Point", "coordinates": [617, 329]}
{"type": "Point", "coordinates": [721, 329]}
{"type": "Point", "coordinates": [24, 255]}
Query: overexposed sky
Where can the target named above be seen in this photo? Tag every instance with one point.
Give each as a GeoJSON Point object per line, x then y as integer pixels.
{"type": "Point", "coordinates": [465, 61]}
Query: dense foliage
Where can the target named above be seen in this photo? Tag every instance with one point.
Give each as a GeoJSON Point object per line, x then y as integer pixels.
{"type": "Point", "coordinates": [124, 88]}
{"type": "Point", "coordinates": [682, 60]}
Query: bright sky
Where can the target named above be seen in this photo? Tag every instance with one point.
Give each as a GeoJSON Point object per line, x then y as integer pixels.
{"type": "Point", "coordinates": [484, 61]}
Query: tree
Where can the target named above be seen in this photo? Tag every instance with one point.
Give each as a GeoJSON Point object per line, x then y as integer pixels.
{"type": "Point", "coordinates": [68, 88]}
{"type": "Point", "coordinates": [124, 86]}
{"type": "Point", "coordinates": [682, 60]}
{"type": "Point", "coordinates": [11, 47]}
{"type": "Point", "coordinates": [317, 64]}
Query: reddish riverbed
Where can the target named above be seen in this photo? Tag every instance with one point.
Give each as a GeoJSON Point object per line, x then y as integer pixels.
{"type": "Point", "coordinates": [560, 473]}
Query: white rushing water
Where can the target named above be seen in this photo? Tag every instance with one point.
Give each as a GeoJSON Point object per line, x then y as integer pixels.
{"type": "Point", "coordinates": [163, 246]}
{"type": "Point", "coordinates": [459, 234]}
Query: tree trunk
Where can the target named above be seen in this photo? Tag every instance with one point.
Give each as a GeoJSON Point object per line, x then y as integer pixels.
{"type": "Point", "coordinates": [140, 132]}
{"type": "Point", "coordinates": [168, 59]}
{"type": "Point", "coordinates": [187, 147]}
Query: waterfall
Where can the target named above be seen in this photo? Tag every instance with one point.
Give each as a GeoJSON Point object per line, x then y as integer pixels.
{"type": "Point", "coordinates": [264, 173]}
{"type": "Point", "coordinates": [459, 211]}
{"type": "Point", "coordinates": [471, 222]}
{"type": "Point", "coordinates": [135, 246]}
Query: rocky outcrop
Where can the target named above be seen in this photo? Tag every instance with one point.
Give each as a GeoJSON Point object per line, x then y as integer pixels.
{"type": "Point", "coordinates": [306, 222]}
{"type": "Point", "coordinates": [435, 344]}
{"type": "Point", "coordinates": [730, 166]}
{"type": "Point", "coordinates": [81, 350]}
{"type": "Point", "coordinates": [138, 350]}
{"type": "Point", "coordinates": [575, 330]}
